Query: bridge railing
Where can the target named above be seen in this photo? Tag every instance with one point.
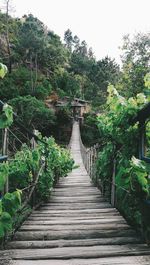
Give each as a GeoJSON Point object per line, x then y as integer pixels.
{"type": "Point", "coordinates": [13, 138]}
{"type": "Point", "coordinates": [89, 156]}
{"type": "Point", "coordinates": [118, 195]}
{"type": "Point", "coordinates": [34, 165]}
{"type": "Point", "coordinates": [12, 146]}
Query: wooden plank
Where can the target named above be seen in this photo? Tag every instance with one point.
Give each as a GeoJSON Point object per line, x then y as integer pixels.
{"type": "Point", "coordinates": [76, 206]}
{"type": "Point", "coordinates": [75, 211]}
{"type": "Point", "coordinates": [72, 243]}
{"type": "Point", "coordinates": [65, 222]}
{"type": "Point", "coordinates": [74, 202]}
{"type": "Point", "coordinates": [75, 196]}
{"type": "Point", "coordinates": [131, 260]}
{"type": "Point", "coordinates": [87, 204]}
{"type": "Point", "coordinates": [62, 216]}
{"type": "Point", "coordinates": [69, 234]}
{"type": "Point", "coordinates": [77, 186]}
{"type": "Point", "coordinates": [69, 200]}
{"type": "Point", "coordinates": [74, 193]}
{"type": "Point", "coordinates": [79, 252]}
{"type": "Point", "coordinates": [80, 227]}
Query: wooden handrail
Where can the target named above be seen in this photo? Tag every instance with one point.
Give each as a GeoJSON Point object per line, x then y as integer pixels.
{"type": "Point", "coordinates": [32, 186]}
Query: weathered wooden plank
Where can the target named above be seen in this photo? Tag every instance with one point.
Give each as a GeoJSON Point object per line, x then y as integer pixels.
{"type": "Point", "coordinates": [55, 216]}
{"type": "Point", "coordinates": [65, 222]}
{"type": "Point", "coordinates": [73, 227]}
{"type": "Point", "coordinates": [73, 202]}
{"type": "Point", "coordinates": [75, 211]}
{"type": "Point", "coordinates": [76, 198]}
{"type": "Point", "coordinates": [69, 234]}
{"type": "Point", "coordinates": [73, 216]}
{"type": "Point", "coordinates": [83, 192]}
{"type": "Point", "coordinates": [79, 186]}
{"type": "Point", "coordinates": [69, 200]}
{"type": "Point", "coordinates": [72, 243]}
{"type": "Point", "coordinates": [77, 206]}
{"type": "Point", "coordinates": [79, 252]}
{"type": "Point", "coordinates": [131, 260]}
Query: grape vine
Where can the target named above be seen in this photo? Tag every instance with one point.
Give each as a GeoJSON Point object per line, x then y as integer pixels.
{"type": "Point", "coordinates": [120, 144]}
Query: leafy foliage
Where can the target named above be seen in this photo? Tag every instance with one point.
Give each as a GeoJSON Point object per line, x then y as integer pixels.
{"type": "Point", "coordinates": [120, 139]}
{"type": "Point", "coordinates": [3, 70]}
{"type": "Point", "coordinates": [89, 129]}
{"type": "Point", "coordinates": [135, 60]}
{"type": "Point", "coordinates": [6, 118]}
{"type": "Point", "coordinates": [33, 112]}
{"type": "Point", "coordinates": [9, 204]}
{"type": "Point", "coordinates": [3, 175]}
{"type": "Point", "coordinates": [24, 169]}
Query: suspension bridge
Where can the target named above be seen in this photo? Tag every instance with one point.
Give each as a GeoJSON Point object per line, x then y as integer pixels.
{"type": "Point", "coordinates": [76, 226]}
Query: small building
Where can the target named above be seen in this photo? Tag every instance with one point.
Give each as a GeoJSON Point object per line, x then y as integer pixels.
{"type": "Point", "coordinates": [80, 107]}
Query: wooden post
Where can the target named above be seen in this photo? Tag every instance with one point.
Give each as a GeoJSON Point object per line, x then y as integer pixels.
{"type": "Point", "coordinates": [142, 140]}
{"type": "Point", "coordinates": [87, 161]}
{"type": "Point", "coordinates": [113, 187]}
{"type": "Point", "coordinates": [103, 188]}
{"type": "Point", "coordinates": [5, 152]}
{"type": "Point", "coordinates": [33, 197]}
{"type": "Point", "coordinates": [92, 162]}
{"type": "Point", "coordinates": [33, 143]}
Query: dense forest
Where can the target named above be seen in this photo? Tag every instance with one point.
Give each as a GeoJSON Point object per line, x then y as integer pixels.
{"type": "Point", "coordinates": [40, 65]}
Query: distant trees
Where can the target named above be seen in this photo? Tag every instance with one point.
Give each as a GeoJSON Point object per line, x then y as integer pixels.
{"type": "Point", "coordinates": [136, 63]}
{"type": "Point", "coordinates": [32, 113]}
{"type": "Point", "coordinates": [39, 64]}
{"type": "Point", "coordinates": [94, 75]}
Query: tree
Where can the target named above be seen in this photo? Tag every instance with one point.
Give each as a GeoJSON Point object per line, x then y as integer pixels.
{"type": "Point", "coordinates": [33, 113]}
{"type": "Point", "coordinates": [136, 62]}
{"type": "Point", "coordinates": [83, 48]}
{"type": "Point", "coordinates": [101, 74]}
{"type": "Point", "coordinates": [91, 53]}
{"type": "Point", "coordinates": [68, 38]}
{"type": "Point", "coordinates": [76, 42]}
{"type": "Point", "coordinates": [8, 30]}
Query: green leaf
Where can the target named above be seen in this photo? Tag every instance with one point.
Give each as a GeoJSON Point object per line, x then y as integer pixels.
{"type": "Point", "coordinates": [6, 221]}
{"type": "Point", "coordinates": [3, 70]}
{"type": "Point", "coordinates": [147, 80]}
{"type": "Point", "coordinates": [5, 217]}
{"type": "Point", "coordinates": [10, 204]}
{"type": "Point", "coordinates": [18, 194]}
{"type": "Point", "coordinates": [6, 118]}
{"type": "Point", "coordinates": [138, 163]}
{"type": "Point", "coordinates": [2, 231]}
{"type": "Point", "coordinates": [3, 174]}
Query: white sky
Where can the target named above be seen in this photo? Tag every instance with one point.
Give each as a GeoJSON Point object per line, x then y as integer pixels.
{"type": "Point", "coordinates": [102, 23]}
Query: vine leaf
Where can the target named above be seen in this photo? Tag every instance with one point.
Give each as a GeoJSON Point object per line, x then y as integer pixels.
{"type": "Point", "coordinates": [6, 118]}
{"type": "Point", "coordinates": [3, 70]}
{"type": "Point", "coordinates": [3, 174]}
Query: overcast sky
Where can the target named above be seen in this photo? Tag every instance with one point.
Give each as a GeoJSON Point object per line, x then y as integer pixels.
{"type": "Point", "coordinates": [102, 23]}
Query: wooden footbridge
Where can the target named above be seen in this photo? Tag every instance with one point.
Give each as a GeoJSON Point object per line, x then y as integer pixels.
{"type": "Point", "coordinates": [77, 226]}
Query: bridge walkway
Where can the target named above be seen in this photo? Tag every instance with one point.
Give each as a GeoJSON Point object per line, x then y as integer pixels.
{"type": "Point", "coordinates": [76, 227]}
